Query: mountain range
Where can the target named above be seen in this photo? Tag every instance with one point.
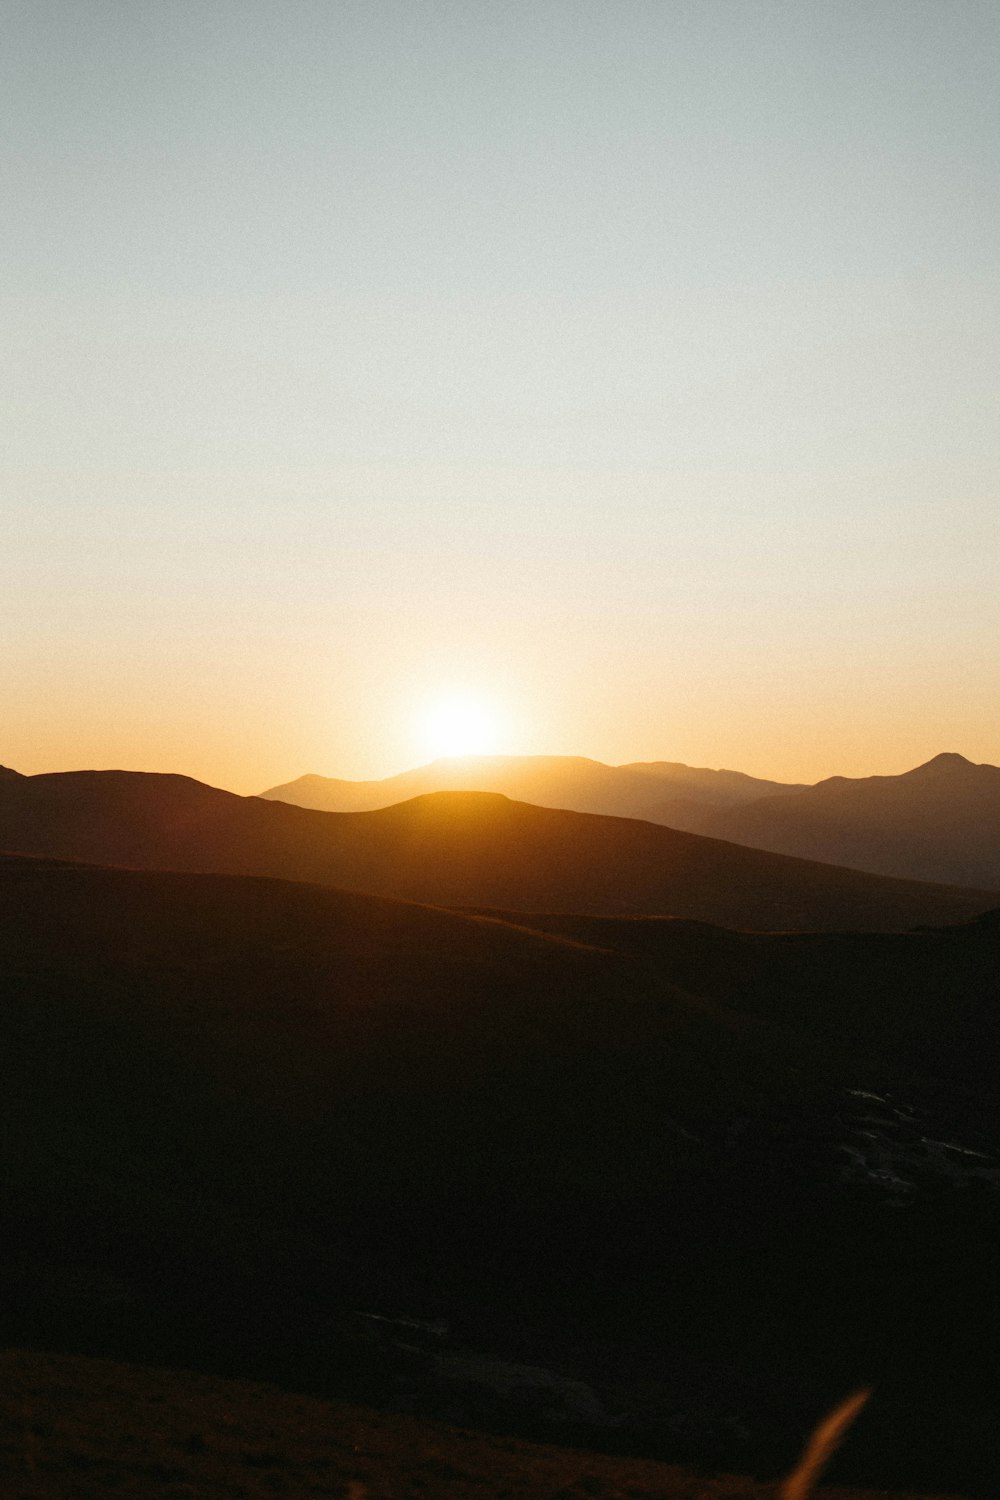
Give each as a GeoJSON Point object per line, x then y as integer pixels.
{"type": "Point", "coordinates": [644, 789]}
{"type": "Point", "coordinates": [285, 1088]}
{"type": "Point", "coordinates": [938, 822]}
{"type": "Point", "coordinates": [459, 849]}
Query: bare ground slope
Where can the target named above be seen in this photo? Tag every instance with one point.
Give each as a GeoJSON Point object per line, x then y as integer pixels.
{"type": "Point", "coordinates": [73, 1428]}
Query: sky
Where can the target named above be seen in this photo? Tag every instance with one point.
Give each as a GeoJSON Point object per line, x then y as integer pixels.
{"type": "Point", "coordinates": [630, 368]}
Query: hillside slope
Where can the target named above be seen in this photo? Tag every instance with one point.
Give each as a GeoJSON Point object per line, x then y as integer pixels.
{"type": "Point", "coordinates": [307, 1005]}
{"type": "Point", "coordinates": [236, 1109]}
{"type": "Point", "coordinates": [912, 1012]}
{"type": "Point", "coordinates": [458, 849]}
{"type": "Point", "coordinates": [239, 1112]}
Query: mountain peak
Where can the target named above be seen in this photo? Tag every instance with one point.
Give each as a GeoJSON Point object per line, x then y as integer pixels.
{"type": "Point", "coordinates": [948, 760]}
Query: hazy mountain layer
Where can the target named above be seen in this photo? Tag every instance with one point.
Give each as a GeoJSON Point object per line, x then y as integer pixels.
{"type": "Point", "coordinates": [940, 821]}
{"type": "Point", "coordinates": [458, 849]}
{"type": "Point", "coordinates": [565, 781]}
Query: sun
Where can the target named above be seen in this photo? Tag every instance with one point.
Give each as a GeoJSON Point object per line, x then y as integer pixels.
{"type": "Point", "coordinates": [457, 724]}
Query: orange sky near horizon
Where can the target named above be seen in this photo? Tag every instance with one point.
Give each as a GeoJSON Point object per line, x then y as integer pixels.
{"type": "Point", "coordinates": [249, 733]}
{"type": "Point", "coordinates": [630, 368]}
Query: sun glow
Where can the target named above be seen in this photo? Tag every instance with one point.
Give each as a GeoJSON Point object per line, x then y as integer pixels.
{"type": "Point", "coordinates": [460, 725]}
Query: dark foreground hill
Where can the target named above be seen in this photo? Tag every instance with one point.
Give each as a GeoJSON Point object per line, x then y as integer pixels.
{"type": "Point", "coordinates": [76, 1426]}
{"type": "Point", "coordinates": [646, 789]}
{"type": "Point", "coordinates": [917, 1013]}
{"type": "Point", "coordinates": [458, 849]}
{"type": "Point", "coordinates": [243, 1116]}
{"type": "Point", "coordinates": [940, 821]}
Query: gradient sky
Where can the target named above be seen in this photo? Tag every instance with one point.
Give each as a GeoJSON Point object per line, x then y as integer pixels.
{"type": "Point", "coordinates": [632, 366]}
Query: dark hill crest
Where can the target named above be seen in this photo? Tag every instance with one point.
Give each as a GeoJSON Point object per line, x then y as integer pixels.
{"type": "Point", "coordinates": [458, 849]}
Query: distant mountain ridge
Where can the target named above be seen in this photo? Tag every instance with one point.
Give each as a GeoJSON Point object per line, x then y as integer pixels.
{"type": "Point", "coordinates": [574, 782]}
{"type": "Point", "coordinates": [465, 849]}
{"type": "Point", "coordinates": [939, 821]}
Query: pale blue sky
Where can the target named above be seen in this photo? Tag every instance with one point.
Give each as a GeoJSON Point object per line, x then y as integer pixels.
{"type": "Point", "coordinates": [634, 364]}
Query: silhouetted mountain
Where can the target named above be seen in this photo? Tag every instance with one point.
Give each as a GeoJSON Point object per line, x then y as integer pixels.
{"type": "Point", "coordinates": [939, 822]}
{"type": "Point", "coordinates": [457, 849]}
{"type": "Point", "coordinates": [564, 781]}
